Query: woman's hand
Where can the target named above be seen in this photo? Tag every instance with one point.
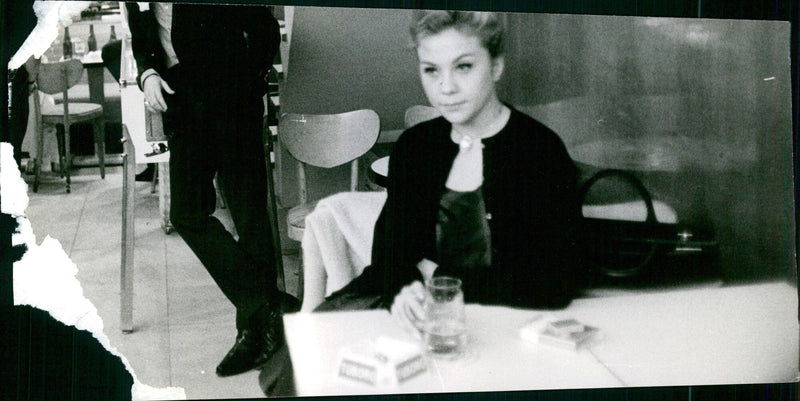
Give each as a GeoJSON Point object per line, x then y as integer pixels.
{"type": "Point", "coordinates": [407, 308]}
{"type": "Point", "coordinates": [154, 99]}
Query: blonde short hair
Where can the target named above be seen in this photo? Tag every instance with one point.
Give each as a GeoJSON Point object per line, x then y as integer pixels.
{"type": "Point", "coordinates": [487, 26]}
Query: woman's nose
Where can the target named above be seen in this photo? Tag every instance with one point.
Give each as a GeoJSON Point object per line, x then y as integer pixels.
{"type": "Point", "coordinates": [447, 84]}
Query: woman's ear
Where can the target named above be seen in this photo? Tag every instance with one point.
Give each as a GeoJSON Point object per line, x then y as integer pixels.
{"type": "Point", "coordinates": [498, 64]}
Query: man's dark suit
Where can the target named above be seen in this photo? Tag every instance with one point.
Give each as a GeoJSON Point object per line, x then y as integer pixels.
{"type": "Point", "coordinates": [214, 122]}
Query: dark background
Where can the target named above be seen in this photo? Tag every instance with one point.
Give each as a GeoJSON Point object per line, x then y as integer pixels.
{"type": "Point", "coordinates": [43, 359]}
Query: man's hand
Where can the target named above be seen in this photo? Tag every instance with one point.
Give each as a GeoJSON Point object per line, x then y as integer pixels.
{"type": "Point", "coordinates": [154, 99]}
{"type": "Point", "coordinates": [408, 310]}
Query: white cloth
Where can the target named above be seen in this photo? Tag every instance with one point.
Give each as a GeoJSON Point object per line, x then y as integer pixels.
{"type": "Point", "coordinates": [631, 211]}
{"type": "Point", "coordinates": [337, 243]}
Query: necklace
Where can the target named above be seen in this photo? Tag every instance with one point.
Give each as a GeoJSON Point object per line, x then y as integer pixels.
{"type": "Point", "coordinates": [466, 141]}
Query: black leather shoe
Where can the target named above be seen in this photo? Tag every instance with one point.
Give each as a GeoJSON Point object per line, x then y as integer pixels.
{"type": "Point", "coordinates": [270, 335]}
{"type": "Point", "coordinates": [241, 358]}
{"type": "Point", "coordinates": [256, 345]}
{"type": "Point", "coordinates": [147, 174]}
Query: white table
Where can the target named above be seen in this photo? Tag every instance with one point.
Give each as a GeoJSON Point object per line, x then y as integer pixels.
{"type": "Point", "coordinates": [725, 335]}
{"type": "Point", "coordinates": [744, 334]}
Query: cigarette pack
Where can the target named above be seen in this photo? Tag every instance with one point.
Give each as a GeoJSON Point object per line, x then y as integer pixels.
{"type": "Point", "coordinates": [567, 340]}
{"type": "Point", "coordinates": [561, 333]}
{"type": "Point", "coordinates": [384, 362]}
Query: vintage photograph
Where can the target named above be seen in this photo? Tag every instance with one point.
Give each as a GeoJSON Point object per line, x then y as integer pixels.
{"type": "Point", "coordinates": [269, 200]}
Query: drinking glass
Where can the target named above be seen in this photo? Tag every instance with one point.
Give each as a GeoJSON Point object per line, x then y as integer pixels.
{"type": "Point", "coordinates": [445, 324]}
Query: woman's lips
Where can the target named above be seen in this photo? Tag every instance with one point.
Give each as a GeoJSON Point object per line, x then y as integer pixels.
{"type": "Point", "coordinates": [451, 106]}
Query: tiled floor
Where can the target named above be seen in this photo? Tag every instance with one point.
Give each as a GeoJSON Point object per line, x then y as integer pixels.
{"type": "Point", "coordinates": [183, 325]}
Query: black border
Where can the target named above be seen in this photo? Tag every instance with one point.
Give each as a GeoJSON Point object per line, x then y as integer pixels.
{"type": "Point", "coordinates": [80, 377]}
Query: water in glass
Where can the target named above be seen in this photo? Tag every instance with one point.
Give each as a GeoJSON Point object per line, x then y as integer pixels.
{"type": "Point", "coordinates": [445, 326]}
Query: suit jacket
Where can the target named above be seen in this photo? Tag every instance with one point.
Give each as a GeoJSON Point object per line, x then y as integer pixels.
{"type": "Point", "coordinates": [227, 48]}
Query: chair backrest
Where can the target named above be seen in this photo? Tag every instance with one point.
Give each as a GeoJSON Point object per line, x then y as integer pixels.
{"type": "Point", "coordinates": [328, 140]}
{"type": "Point", "coordinates": [417, 114]}
{"type": "Point", "coordinates": [58, 77]}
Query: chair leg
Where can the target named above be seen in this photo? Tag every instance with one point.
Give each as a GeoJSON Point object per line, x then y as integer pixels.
{"type": "Point", "coordinates": [100, 145]}
{"type": "Point", "coordinates": [300, 279]}
{"type": "Point", "coordinates": [67, 157]}
{"type": "Point", "coordinates": [164, 197]}
{"type": "Point", "coordinates": [37, 162]}
{"type": "Point", "coordinates": [60, 146]}
{"type": "Point", "coordinates": [128, 232]}
{"type": "Point", "coordinates": [272, 215]}
{"type": "Point", "coordinates": [154, 181]}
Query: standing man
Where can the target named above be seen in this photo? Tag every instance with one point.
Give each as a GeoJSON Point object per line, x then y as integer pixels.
{"type": "Point", "coordinates": [204, 66]}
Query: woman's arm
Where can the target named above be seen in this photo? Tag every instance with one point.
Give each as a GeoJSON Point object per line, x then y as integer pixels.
{"type": "Point", "coordinates": [404, 233]}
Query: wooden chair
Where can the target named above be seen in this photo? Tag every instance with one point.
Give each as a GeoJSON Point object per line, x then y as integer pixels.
{"type": "Point", "coordinates": [324, 141]}
{"type": "Point", "coordinates": [418, 113]}
{"type": "Point", "coordinates": [59, 77]}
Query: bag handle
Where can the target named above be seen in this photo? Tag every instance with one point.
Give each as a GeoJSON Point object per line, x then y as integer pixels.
{"type": "Point", "coordinates": [620, 271]}
{"type": "Point", "coordinates": [630, 179]}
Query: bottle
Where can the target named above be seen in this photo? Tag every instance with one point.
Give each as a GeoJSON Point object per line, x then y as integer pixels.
{"type": "Point", "coordinates": [92, 41]}
{"type": "Point", "coordinates": [113, 36]}
{"type": "Point", "coordinates": [67, 46]}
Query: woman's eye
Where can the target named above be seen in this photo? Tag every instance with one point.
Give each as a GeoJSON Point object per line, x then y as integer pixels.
{"type": "Point", "coordinates": [429, 70]}
{"type": "Point", "coordinates": [464, 67]}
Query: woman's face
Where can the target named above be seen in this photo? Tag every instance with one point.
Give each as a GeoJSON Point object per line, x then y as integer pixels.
{"type": "Point", "coordinates": [458, 75]}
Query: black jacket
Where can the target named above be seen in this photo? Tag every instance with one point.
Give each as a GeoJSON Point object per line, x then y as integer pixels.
{"type": "Point", "coordinates": [228, 48]}
{"type": "Point", "coordinates": [530, 190]}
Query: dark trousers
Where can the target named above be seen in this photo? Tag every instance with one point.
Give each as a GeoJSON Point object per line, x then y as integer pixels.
{"type": "Point", "coordinates": [213, 133]}
{"type": "Point", "coordinates": [18, 118]}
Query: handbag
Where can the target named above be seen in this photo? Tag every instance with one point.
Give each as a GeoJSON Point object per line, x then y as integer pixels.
{"type": "Point", "coordinates": [642, 252]}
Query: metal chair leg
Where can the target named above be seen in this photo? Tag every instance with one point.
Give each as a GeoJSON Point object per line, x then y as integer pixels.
{"type": "Point", "coordinates": [300, 279]}
{"type": "Point", "coordinates": [100, 145]}
{"type": "Point", "coordinates": [67, 157]}
{"type": "Point", "coordinates": [164, 197]}
{"type": "Point", "coordinates": [37, 162]}
{"type": "Point", "coordinates": [128, 232]}
{"type": "Point", "coordinates": [272, 212]}
{"type": "Point", "coordinates": [154, 181]}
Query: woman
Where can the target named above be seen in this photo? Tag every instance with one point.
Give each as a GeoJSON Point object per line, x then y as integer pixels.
{"type": "Point", "coordinates": [480, 158]}
{"type": "Point", "coordinates": [484, 192]}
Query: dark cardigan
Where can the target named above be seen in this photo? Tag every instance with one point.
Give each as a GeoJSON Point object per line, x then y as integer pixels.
{"type": "Point", "coordinates": [530, 190]}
